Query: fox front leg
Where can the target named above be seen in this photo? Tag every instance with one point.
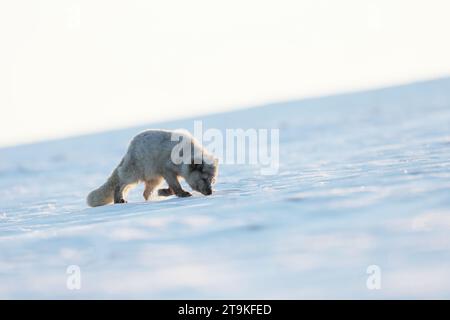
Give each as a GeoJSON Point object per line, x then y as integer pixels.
{"type": "Point", "coordinates": [174, 184]}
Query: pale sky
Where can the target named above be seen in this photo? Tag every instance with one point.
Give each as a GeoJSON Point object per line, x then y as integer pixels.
{"type": "Point", "coordinates": [69, 66]}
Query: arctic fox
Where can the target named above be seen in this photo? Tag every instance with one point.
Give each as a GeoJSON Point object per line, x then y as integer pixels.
{"type": "Point", "coordinates": [150, 159]}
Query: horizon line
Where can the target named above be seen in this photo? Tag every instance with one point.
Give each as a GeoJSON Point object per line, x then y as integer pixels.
{"type": "Point", "coordinates": [332, 94]}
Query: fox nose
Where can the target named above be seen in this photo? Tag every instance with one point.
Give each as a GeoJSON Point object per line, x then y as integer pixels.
{"type": "Point", "coordinates": [208, 192]}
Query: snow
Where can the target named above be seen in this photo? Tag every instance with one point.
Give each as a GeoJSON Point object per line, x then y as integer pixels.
{"type": "Point", "coordinates": [364, 180]}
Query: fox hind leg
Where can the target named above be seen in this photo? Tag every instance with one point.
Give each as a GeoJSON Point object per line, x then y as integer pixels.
{"type": "Point", "coordinates": [119, 194]}
{"type": "Point", "coordinates": [128, 177]}
{"type": "Point", "coordinates": [121, 191]}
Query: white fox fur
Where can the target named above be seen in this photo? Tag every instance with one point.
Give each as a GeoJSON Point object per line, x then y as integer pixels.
{"type": "Point", "coordinates": [149, 160]}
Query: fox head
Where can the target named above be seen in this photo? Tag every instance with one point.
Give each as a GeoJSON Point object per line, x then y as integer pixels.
{"type": "Point", "coordinates": [201, 177]}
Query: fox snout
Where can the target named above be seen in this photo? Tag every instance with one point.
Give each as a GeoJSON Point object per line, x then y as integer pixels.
{"type": "Point", "coordinates": [207, 192]}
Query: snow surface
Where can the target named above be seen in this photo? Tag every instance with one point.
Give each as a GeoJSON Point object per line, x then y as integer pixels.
{"type": "Point", "coordinates": [364, 180]}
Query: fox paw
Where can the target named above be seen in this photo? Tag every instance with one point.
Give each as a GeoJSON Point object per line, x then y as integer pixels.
{"type": "Point", "coordinates": [184, 194]}
{"type": "Point", "coordinates": [165, 192]}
